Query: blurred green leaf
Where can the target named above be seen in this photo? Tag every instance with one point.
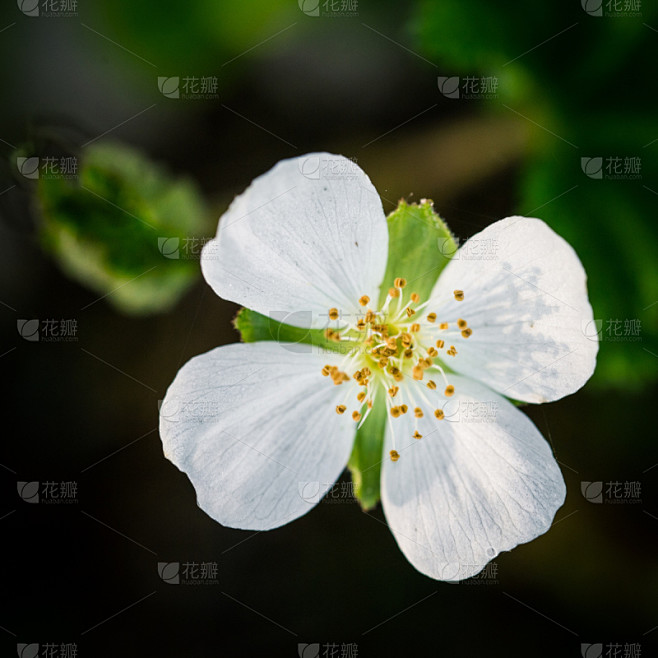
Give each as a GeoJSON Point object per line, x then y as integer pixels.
{"type": "Point", "coordinates": [124, 228]}
{"type": "Point", "coordinates": [569, 77]}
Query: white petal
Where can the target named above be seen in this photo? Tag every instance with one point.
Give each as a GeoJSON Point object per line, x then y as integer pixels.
{"type": "Point", "coordinates": [526, 302]}
{"type": "Point", "coordinates": [307, 236]}
{"type": "Point", "coordinates": [255, 428]}
{"type": "Point", "coordinates": [480, 481]}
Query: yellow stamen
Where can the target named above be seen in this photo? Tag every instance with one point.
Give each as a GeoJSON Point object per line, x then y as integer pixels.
{"type": "Point", "coordinates": [395, 455]}
{"type": "Point", "coordinates": [417, 372]}
{"type": "Point", "coordinates": [395, 412]}
{"type": "Point", "coordinates": [431, 384]}
{"type": "Point", "coordinates": [393, 292]}
{"type": "Point", "coordinates": [462, 324]}
{"type": "Point", "coordinates": [417, 435]}
{"type": "Point", "coordinates": [418, 412]}
{"type": "Point", "coordinates": [393, 391]}
{"type": "Point", "coordinates": [440, 344]}
{"type": "Point", "coordinates": [450, 390]}
{"type": "Point", "coordinates": [364, 300]}
{"type": "Point", "coordinates": [356, 416]}
{"type": "Point", "coordinates": [431, 317]}
{"type": "Point", "coordinates": [340, 409]}
{"type": "Point", "coordinates": [361, 396]}
{"type": "Point", "coordinates": [415, 297]}
{"type": "Point", "coordinates": [400, 283]}
{"type": "Point", "coordinates": [467, 332]}
{"type": "Point", "coordinates": [443, 325]}
{"type": "Point", "coordinates": [333, 313]}
{"type": "Point", "coordinates": [439, 414]}
{"type": "Point", "coordinates": [459, 295]}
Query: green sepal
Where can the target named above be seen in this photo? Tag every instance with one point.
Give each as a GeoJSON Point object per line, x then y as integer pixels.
{"type": "Point", "coordinates": [420, 245]}
{"type": "Point", "coordinates": [365, 462]}
{"type": "Point", "coordinates": [254, 326]}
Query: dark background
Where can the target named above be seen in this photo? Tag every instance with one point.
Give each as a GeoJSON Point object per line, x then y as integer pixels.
{"type": "Point", "coordinates": [571, 84]}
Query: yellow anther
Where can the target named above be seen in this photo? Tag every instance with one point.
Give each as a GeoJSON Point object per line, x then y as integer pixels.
{"type": "Point", "coordinates": [410, 312]}
{"type": "Point", "coordinates": [333, 313]}
{"type": "Point", "coordinates": [338, 376]}
{"type": "Point", "coordinates": [393, 292]}
{"type": "Point", "coordinates": [326, 370]}
{"type": "Point", "coordinates": [415, 297]}
{"type": "Point", "coordinates": [408, 353]}
{"type": "Point", "coordinates": [452, 351]}
{"type": "Point", "coordinates": [450, 390]}
{"type": "Point", "coordinates": [360, 324]}
{"type": "Point", "coordinates": [417, 372]}
{"type": "Point", "coordinates": [406, 339]}
{"type": "Point", "coordinates": [439, 414]}
{"type": "Point", "coordinates": [395, 412]}
{"type": "Point", "coordinates": [398, 376]}
{"type": "Point", "coordinates": [340, 409]}
{"type": "Point", "coordinates": [415, 327]}
{"type": "Point", "coordinates": [459, 295]}
{"type": "Point", "coordinates": [431, 384]}
{"type": "Point", "coordinates": [394, 371]}
{"type": "Point", "coordinates": [392, 344]}
{"type": "Point", "coordinates": [467, 332]}
{"type": "Point", "coordinates": [395, 455]}
{"type": "Point", "coordinates": [364, 300]}
{"type": "Point", "coordinates": [417, 435]}
{"type": "Point", "coordinates": [462, 324]}
{"type": "Point", "coordinates": [440, 344]}
{"type": "Point", "coordinates": [361, 396]}
{"type": "Point", "coordinates": [432, 352]}
{"type": "Point", "coordinates": [431, 317]}
{"type": "Point", "coordinates": [366, 371]}
{"type": "Point", "coordinates": [400, 283]}
{"type": "Point", "coordinates": [383, 362]}
{"type": "Point", "coordinates": [393, 391]}
{"type": "Point", "coordinates": [426, 363]}
{"type": "Point", "coordinates": [404, 408]}
{"type": "Point", "coordinates": [369, 403]}
{"type": "Point", "coordinates": [418, 412]}
{"type": "Point", "coordinates": [443, 325]}
{"type": "Point", "coordinates": [356, 416]}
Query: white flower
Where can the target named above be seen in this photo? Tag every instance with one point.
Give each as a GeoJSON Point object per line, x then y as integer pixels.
{"type": "Point", "coordinates": [469, 475]}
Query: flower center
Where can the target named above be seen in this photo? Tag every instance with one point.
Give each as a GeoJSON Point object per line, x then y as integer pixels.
{"type": "Point", "coordinates": [395, 353]}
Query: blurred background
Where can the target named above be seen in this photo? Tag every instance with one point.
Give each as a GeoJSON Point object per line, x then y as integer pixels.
{"type": "Point", "coordinates": [126, 130]}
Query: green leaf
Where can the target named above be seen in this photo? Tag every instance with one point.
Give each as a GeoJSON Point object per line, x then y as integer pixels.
{"type": "Point", "coordinates": [365, 462]}
{"type": "Point", "coordinates": [120, 226]}
{"type": "Point", "coordinates": [420, 245]}
{"type": "Point", "coordinates": [255, 326]}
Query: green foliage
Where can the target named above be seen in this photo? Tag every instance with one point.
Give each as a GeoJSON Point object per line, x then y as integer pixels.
{"type": "Point", "coordinates": [109, 227]}
{"type": "Point", "coordinates": [571, 75]}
